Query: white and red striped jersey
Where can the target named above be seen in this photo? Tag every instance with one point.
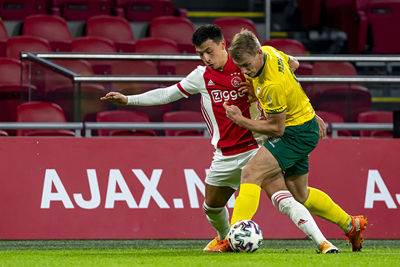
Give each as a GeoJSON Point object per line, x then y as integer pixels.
{"type": "Point", "coordinates": [217, 87]}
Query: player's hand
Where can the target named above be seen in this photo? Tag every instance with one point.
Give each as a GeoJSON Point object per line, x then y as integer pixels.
{"type": "Point", "coordinates": [232, 112]}
{"type": "Point", "coordinates": [247, 87]}
{"type": "Point", "coordinates": [115, 98]}
{"type": "Point", "coordinates": [321, 126]}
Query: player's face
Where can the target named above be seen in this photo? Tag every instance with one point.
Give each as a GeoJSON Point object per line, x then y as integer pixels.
{"type": "Point", "coordinates": [212, 54]}
{"type": "Point", "coordinates": [251, 64]}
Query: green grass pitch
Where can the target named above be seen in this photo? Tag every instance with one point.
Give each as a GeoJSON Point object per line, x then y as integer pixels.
{"type": "Point", "coordinates": [189, 253]}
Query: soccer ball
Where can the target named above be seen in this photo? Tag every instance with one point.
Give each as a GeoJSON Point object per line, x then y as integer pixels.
{"type": "Point", "coordinates": [245, 236]}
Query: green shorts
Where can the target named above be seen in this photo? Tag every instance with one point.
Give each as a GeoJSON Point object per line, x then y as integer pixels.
{"type": "Point", "coordinates": [293, 148]}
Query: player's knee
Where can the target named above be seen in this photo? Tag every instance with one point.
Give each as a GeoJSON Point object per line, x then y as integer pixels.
{"type": "Point", "coordinates": [211, 210]}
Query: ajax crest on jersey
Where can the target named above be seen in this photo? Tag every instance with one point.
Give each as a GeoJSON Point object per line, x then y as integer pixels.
{"type": "Point", "coordinates": [245, 236]}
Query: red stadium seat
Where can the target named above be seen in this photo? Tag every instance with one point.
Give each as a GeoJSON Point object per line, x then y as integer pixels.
{"type": "Point", "coordinates": [123, 116]}
{"type": "Point", "coordinates": [145, 68]}
{"type": "Point", "coordinates": [310, 11]}
{"type": "Point", "coordinates": [349, 16]}
{"type": "Point", "coordinates": [376, 117]}
{"type": "Point", "coordinates": [183, 116]}
{"type": "Point", "coordinates": [348, 102]}
{"type": "Point", "coordinates": [63, 95]}
{"type": "Point", "coordinates": [232, 25]}
{"type": "Point", "coordinates": [114, 28]}
{"type": "Point", "coordinates": [41, 112]}
{"type": "Point", "coordinates": [138, 68]}
{"type": "Point", "coordinates": [19, 9]}
{"type": "Point", "coordinates": [383, 20]}
{"type": "Point", "coordinates": [177, 29]}
{"type": "Point", "coordinates": [93, 44]}
{"type": "Point", "coordinates": [26, 43]}
{"type": "Point", "coordinates": [54, 80]}
{"type": "Point", "coordinates": [145, 10]}
{"type": "Point", "coordinates": [11, 89]}
{"type": "Point", "coordinates": [330, 69]}
{"type": "Point", "coordinates": [330, 117]}
{"type": "Point", "coordinates": [3, 38]}
{"type": "Point", "coordinates": [81, 10]}
{"type": "Point", "coordinates": [155, 45]}
{"type": "Point", "coordinates": [52, 28]}
{"type": "Point", "coordinates": [292, 47]}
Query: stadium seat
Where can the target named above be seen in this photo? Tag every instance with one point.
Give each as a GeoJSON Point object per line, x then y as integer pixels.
{"type": "Point", "coordinates": [93, 44]}
{"type": "Point", "coordinates": [183, 116]}
{"type": "Point", "coordinates": [3, 38]}
{"type": "Point", "coordinates": [114, 28]}
{"type": "Point", "coordinates": [376, 117]}
{"type": "Point", "coordinates": [3, 133]}
{"type": "Point", "coordinates": [330, 117]}
{"type": "Point", "coordinates": [348, 102]}
{"type": "Point", "coordinates": [155, 45]}
{"type": "Point", "coordinates": [123, 116]}
{"type": "Point", "coordinates": [232, 25]}
{"type": "Point", "coordinates": [349, 16]}
{"type": "Point", "coordinates": [145, 10]}
{"type": "Point", "coordinates": [54, 80]}
{"type": "Point", "coordinates": [19, 9]}
{"type": "Point", "coordinates": [26, 43]}
{"type": "Point", "coordinates": [139, 67]}
{"type": "Point", "coordinates": [292, 47]}
{"type": "Point", "coordinates": [382, 16]}
{"type": "Point", "coordinates": [41, 112]}
{"type": "Point", "coordinates": [52, 28]}
{"type": "Point", "coordinates": [177, 29]}
{"type": "Point", "coordinates": [81, 10]}
{"type": "Point", "coordinates": [310, 11]}
{"type": "Point", "coordinates": [329, 69]}
{"type": "Point", "coordinates": [11, 89]}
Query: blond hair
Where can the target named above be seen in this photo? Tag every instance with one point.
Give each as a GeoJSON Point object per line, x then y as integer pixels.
{"type": "Point", "coordinates": [243, 42]}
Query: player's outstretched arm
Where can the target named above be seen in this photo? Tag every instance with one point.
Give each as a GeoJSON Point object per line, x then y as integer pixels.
{"type": "Point", "coordinates": [115, 98]}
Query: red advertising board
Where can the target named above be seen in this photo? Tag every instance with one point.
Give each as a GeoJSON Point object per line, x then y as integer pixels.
{"type": "Point", "coordinates": [91, 188]}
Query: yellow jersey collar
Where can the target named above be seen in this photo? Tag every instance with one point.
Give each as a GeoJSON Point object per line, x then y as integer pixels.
{"type": "Point", "coordinates": [260, 71]}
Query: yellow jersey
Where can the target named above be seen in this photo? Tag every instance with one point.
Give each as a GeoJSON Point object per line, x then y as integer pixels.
{"type": "Point", "coordinates": [278, 89]}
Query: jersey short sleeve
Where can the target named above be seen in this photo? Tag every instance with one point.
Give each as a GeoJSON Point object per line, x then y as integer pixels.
{"type": "Point", "coordinates": [192, 83]}
{"type": "Point", "coordinates": [273, 99]}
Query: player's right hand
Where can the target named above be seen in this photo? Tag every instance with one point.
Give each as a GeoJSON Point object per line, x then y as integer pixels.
{"type": "Point", "coordinates": [115, 98]}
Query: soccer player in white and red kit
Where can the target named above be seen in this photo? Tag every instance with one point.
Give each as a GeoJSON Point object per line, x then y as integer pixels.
{"type": "Point", "coordinates": [218, 82]}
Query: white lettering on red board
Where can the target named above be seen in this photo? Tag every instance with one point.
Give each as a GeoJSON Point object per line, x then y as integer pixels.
{"type": "Point", "coordinates": [116, 180]}
{"type": "Point", "coordinates": [382, 194]}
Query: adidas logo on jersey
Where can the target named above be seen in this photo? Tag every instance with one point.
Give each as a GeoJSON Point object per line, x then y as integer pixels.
{"type": "Point", "coordinates": [210, 83]}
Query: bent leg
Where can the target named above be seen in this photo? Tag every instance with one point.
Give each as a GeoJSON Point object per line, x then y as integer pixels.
{"type": "Point", "coordinates": [317, 202]}
{"type": "Point", "coordinates": [262, 165]}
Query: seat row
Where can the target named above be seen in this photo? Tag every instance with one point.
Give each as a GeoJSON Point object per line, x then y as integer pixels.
{"type": "Point", "coordinates": [38, 111]}
{"type": "Point", "coordinates": [366, 22]}
{"type": "Point", "coordinates": [51, 112]}
{"type": "Point", "coordinates": [81, 10]}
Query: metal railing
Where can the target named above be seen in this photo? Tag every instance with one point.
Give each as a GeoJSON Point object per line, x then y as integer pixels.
{"type": "Point", "coordinates": [76, 126]}
{"type": "Point", "coordinates": [44, 60]}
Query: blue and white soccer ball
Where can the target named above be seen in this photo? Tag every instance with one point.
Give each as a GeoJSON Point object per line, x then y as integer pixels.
{"type": "Point", "coordinates": [245, 236]}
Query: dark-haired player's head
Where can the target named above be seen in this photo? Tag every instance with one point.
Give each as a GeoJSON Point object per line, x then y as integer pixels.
{"type": "Point", "coordinates": [206, 32]}
{"type": "Point", "coordinates": [210, 46]}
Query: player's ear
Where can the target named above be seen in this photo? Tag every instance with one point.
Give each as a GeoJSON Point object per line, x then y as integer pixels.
{"type": "Point", "coordinates": [223, 44]}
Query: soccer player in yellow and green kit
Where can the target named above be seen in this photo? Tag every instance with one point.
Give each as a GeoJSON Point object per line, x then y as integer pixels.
{"type": "Point", "coordinates": [290, 122]}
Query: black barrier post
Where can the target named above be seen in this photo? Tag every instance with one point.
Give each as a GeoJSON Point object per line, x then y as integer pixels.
{"type": "Point", "coordinates": [396, 124]}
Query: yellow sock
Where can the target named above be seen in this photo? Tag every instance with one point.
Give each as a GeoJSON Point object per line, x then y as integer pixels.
{"type": "Point", "coordinates": [320, 204]}
{"type": "Point", "coordinates": [246, 203]}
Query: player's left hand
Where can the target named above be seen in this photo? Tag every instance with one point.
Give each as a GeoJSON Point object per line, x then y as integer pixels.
{"type": "Point", "coordinates": [247, 87]}
{"type": "Point", "coordinates": [232, 112]}
{"type": "Point", "coordinates": [321, 126]}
